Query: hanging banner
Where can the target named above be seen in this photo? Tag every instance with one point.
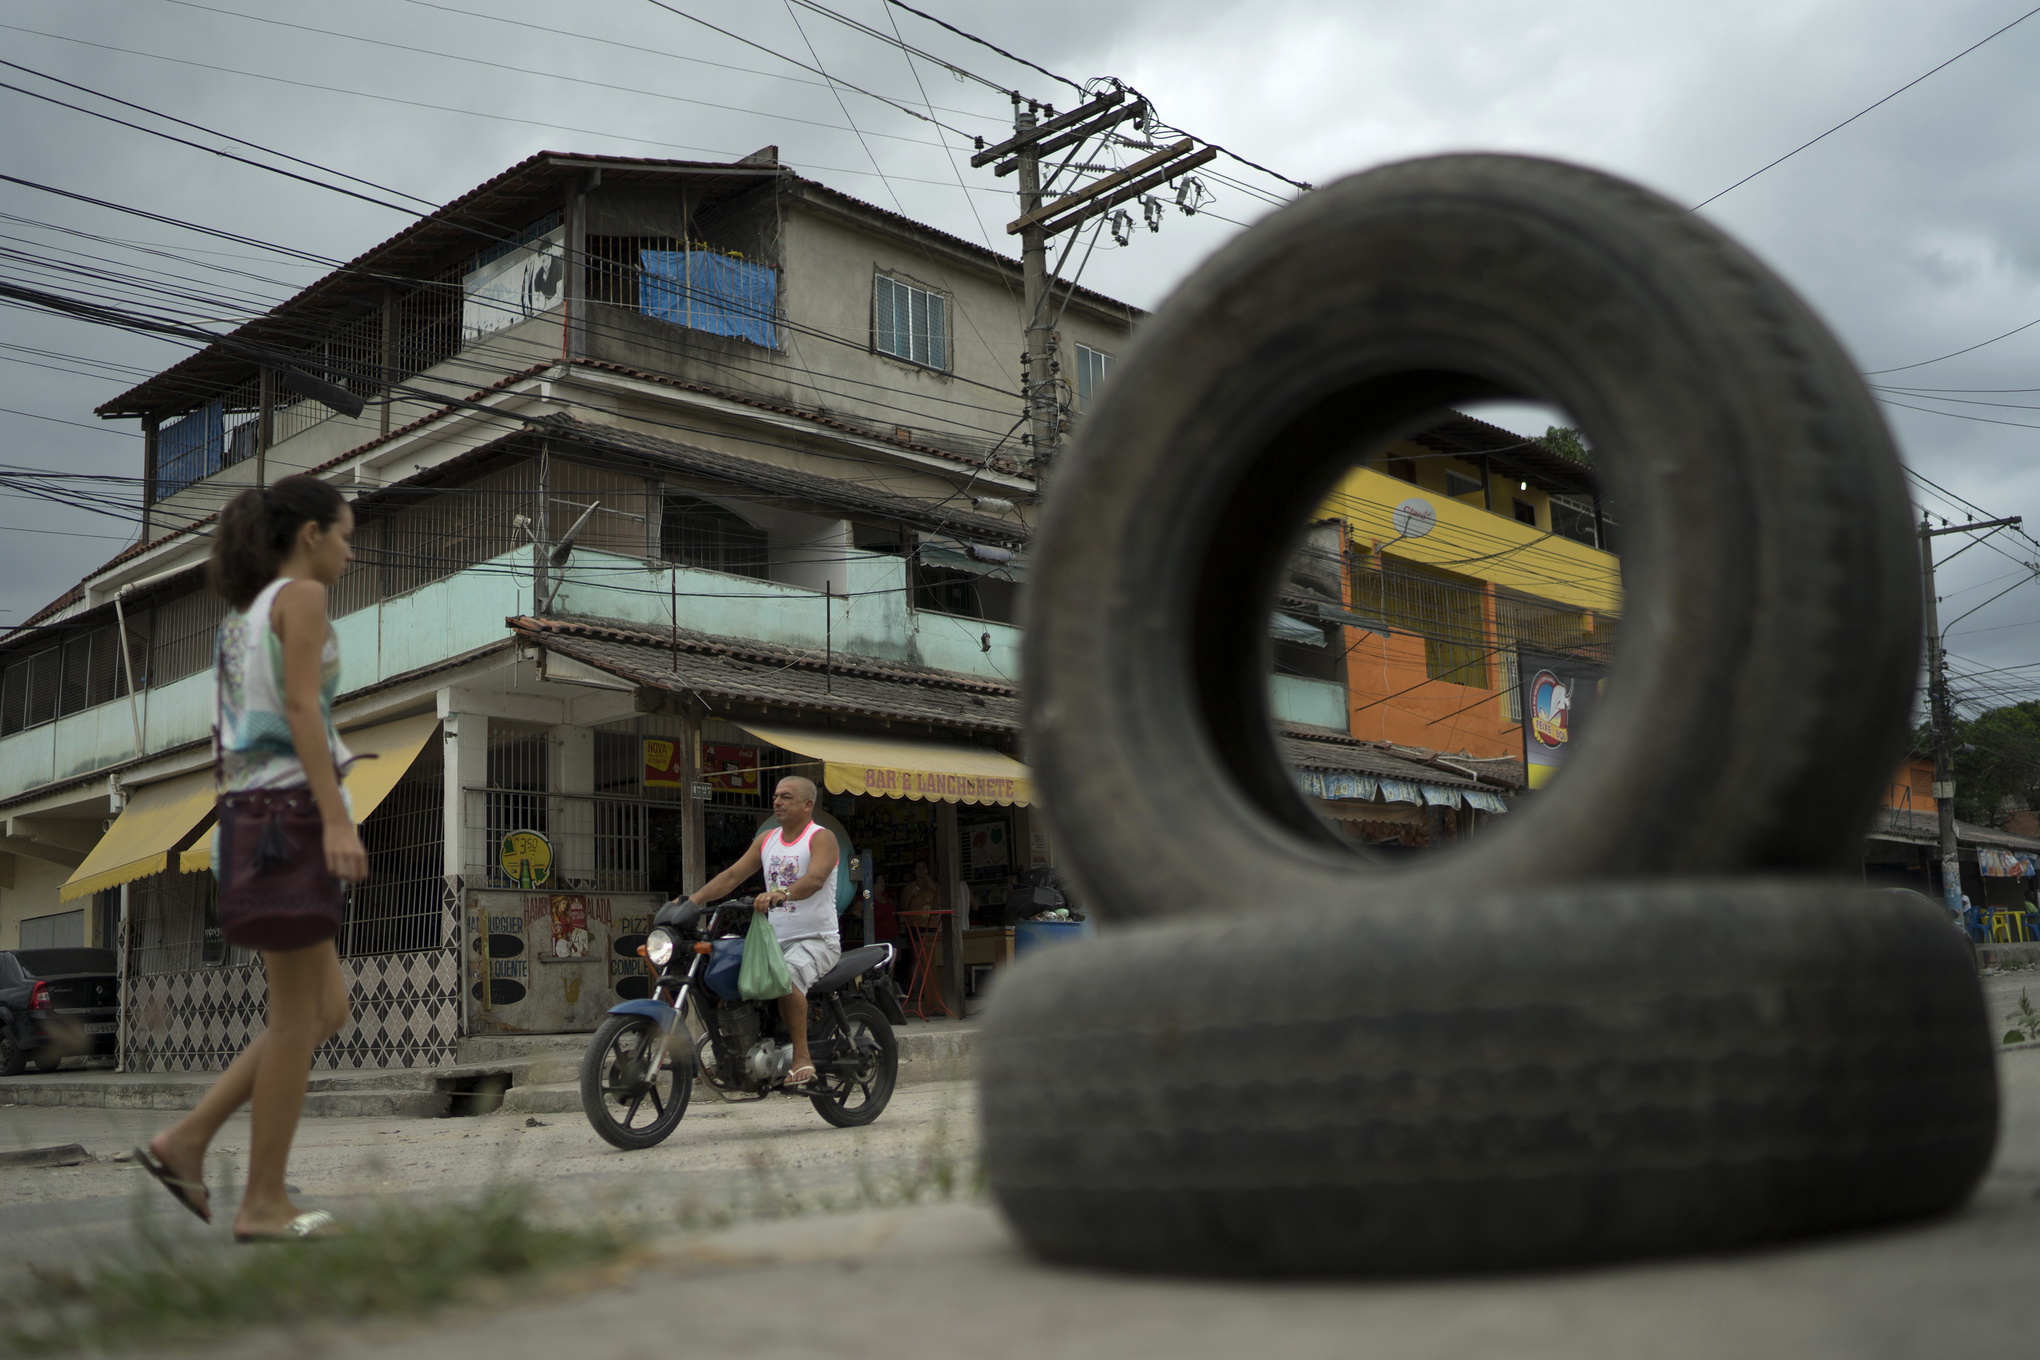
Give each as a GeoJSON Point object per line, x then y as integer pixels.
{"type": "Point", "coordinates": [662, 764]}
{"type": "Point", "coordinates": [731, 769]}
{"type": "Point", "coordinates": [1558, 695]}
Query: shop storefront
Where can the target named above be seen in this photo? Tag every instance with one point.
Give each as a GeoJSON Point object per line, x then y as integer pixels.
{"type": "Point", "coordinates": [1390, 805]}
{"type": "Point", "coordinates": [192, 1002]}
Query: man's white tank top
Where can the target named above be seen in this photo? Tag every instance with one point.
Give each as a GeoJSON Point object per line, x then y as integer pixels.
{"type": "Point", "coordinates": [786, 862]}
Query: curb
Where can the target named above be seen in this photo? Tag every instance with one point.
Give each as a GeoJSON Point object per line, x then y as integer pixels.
{"type": "Point", "coordinates": [535, 1085]}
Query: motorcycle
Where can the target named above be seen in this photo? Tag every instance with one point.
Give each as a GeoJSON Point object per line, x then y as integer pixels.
{"type": "Point", "coordinates": [639, 1071]}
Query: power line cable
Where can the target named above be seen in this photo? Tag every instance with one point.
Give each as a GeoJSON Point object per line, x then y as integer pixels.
{"type": "Point", "coordinates": [891, 103]}
{"type": "Point", "coordinates": [639, 49]}
{"type": "Point", "coordinates": [1859, 113]}
{"type": "Point", "coordinates": [609, 86]}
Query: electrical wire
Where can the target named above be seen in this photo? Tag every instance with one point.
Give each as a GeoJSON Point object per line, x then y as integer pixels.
{"type": "Point", "coordinates": [607, 86]}
{"type": "Point", "coordinates": [1859, 113]}
{"type": "Point", "coordinates": [638, 49]}
{"type": "Point", "coordinates": [445, 108]}
{"type": "Point", "coordinates": [891, 103]}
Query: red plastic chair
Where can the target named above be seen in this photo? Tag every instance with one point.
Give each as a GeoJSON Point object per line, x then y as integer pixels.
{"type": "Point", "coordinates": [924, 997]}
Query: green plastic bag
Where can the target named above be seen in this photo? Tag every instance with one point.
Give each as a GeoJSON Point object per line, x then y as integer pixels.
{"type": "Point", "coordinates": [763, 976]}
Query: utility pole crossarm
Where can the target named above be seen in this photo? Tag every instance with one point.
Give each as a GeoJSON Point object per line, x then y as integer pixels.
{"type": "Point", "coordinates": [2009, 522]}
{"type": "Point", "coordinates": [1029, 136]}
{"type": "Point", "coordinates": [1103, 186]}
{"type": "Point", "coordinates": [1091, 207]}
{"type": "Point", "coordinates": [1110, 119]}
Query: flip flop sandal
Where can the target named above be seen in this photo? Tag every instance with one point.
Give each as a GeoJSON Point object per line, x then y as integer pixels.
{"type": "Point", "coordinates": [191, 1194]}
{"type": "Point", "coordinates": [796, 1082]}
{"type": "Point", "coordinates": [316, 1226]}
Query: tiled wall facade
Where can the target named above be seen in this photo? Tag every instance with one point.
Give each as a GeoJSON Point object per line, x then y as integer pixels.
{"type": "Point", "coordinates": [406, 1013]}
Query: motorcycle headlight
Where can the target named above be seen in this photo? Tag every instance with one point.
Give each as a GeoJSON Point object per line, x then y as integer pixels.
{"type": "Point", "coordinates": [659, 947]}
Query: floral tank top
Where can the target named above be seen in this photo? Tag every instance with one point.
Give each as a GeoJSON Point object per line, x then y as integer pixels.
{"type": "Point", "coordinates": [256, 750]}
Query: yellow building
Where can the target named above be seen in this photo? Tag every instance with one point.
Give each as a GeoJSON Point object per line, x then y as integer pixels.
{"type": "Point", "coordinates": [1449, 550]}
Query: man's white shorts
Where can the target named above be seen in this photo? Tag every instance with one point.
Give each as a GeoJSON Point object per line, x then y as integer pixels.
{"type": "Point", "coordinates": [807, 960]}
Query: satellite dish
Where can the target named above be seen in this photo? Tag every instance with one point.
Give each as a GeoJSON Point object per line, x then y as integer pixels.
{"type": "Point", "coordinates": [1415, 517]}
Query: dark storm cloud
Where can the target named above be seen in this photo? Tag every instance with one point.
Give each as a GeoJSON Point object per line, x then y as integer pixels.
{"type": "Point", "coordinates": [1909, 230]}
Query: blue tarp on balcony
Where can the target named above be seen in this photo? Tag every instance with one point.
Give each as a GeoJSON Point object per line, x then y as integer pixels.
{"type": "Point", "coordinates": [705, 291]}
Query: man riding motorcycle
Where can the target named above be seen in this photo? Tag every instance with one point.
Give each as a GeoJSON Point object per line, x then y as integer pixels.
{"type": "Point", "coordinates": [799, 859]}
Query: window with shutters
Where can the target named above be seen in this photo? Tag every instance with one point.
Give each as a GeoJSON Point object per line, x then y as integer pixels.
{"type": "Point", "coordinates": [909, 323]}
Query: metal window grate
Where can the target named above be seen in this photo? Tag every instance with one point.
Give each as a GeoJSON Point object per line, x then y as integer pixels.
{"type": "Point", "coordinates": [699, 533]}
{"type": "Point", "coordinates": [1442, 607]}
{"type": "Point", "coordinates": [1547, 627]}
{"type": "Point", "coordinates": [185, 630]}
{"type": "Point", "coordinates": [174, 926]}
{"type": "Point", "coordinates": [400, 908]}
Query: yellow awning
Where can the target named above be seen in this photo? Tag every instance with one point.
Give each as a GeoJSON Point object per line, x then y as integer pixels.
{"type": "Point", "coordinates": [886, 767]}
{"type": "Point", "coordinates": [393, 744]}
{"type": "Point", "coordinates": [138, 843]}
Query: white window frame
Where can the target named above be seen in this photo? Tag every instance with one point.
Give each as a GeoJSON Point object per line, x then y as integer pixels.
{"type": "Point", "coordinates": [1092, 367]}
{"type": "Point", "coordinates": [932, 341]}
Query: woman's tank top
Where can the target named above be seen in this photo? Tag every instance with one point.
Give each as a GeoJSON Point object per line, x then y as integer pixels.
{"type": "Point", "coordinates": [256, 750]}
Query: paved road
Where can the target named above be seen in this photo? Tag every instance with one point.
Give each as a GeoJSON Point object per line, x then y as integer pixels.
{"type": "Point", "coordinates": [723, 1157]}
{"type": "Point", "coordinates": [948, 1281]}
{"type": "Point", "coordinates": [2002, 990]}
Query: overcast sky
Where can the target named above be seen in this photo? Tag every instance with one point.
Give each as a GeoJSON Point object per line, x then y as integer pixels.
{"type": "Point", "coordinates": [1912, 230]}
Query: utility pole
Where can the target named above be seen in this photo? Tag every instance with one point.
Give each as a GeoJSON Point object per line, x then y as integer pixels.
{"type": "Point", "coordinates": [1034, 137]}
{"type": "Point", "coordinates": [1940, 714]}
{"type": "Point", "coordinates": [1040, 367]}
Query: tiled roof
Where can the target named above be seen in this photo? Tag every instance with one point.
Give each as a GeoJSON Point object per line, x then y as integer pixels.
{"type": "Point", "coordinates": [723, 671]}
{"type": "Point", "coordinates": [1012, 466]}
{"type": "Point", "coordinates": [484, 214]}
{"type": "Point", "coordinates": [1305, 753]}
{"type": "Point", "coordinates": [1924, 828]}
{"type": "Point", "coordinates": [831, 493]}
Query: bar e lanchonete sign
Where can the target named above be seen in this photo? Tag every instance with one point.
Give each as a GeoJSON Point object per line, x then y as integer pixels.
{"type": "Point", "coordinates": [883, 767]}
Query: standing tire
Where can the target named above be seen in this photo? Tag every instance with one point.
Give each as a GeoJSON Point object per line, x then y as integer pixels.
{"type": "Point", "coordinates": [1771, 628]}
{"type": "Point", "coordinates": [1542, 1077]}
{"type": "Point", "coordinates": [1469, 1064]}
{"type": "Point", "coordinates": [851, 1101]}
{"type": "Point", "coordinates": [624, 1107]}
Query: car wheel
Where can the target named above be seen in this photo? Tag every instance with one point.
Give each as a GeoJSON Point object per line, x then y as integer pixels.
{"type": "Point", "coordinates": [13, 1057]}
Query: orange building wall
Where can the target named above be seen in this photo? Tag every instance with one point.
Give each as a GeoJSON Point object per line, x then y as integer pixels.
{"type": "Point", "coordinates": [1912, 786]}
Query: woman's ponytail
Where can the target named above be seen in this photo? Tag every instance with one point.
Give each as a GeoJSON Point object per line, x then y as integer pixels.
{"type": "Point", "coordinates": [257, 528]}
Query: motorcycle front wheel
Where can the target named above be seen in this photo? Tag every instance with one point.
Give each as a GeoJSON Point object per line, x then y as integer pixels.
{"type": "Point", "coordinates": [853, 1098]}
{"type": "Point", "coordinates": [632, 1090]}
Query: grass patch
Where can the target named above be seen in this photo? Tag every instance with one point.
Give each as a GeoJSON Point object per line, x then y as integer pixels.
{"type": "Point", "coordinates": [393, 1261]}
{"type": "Point", "coordinates": [939, 1171]}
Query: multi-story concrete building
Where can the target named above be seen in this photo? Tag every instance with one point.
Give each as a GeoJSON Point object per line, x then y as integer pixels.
{"type": "Point", "coordinates": [669, 478]}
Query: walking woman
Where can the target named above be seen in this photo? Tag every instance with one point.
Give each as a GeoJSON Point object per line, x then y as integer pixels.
{"type": "Point", "coordinates": [285, 846]}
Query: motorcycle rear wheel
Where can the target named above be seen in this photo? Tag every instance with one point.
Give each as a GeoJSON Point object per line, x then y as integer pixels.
{"type": "Point", "coordinates": [627, 1110]}
{"type": "Point", "coordinates": [849, 1102]}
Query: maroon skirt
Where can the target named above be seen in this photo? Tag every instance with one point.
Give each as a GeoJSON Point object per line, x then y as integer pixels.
{"type": "Point", "coordinates": [275, 893]}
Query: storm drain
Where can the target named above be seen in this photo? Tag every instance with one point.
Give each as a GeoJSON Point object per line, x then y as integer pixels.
{"type": "Point", "coordinates": [478, 1093]}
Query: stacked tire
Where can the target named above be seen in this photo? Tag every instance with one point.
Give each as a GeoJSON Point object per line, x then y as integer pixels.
{"type": "Point", "coordinates": [1645, 1014]}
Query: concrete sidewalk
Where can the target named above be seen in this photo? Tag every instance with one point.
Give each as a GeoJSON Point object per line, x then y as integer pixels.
{"type": "Point", "coordinates": [521, 1074]}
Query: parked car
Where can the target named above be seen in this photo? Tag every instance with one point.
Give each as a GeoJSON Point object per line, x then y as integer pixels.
{"type": "Point", "coordinates": [56, 1004]}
